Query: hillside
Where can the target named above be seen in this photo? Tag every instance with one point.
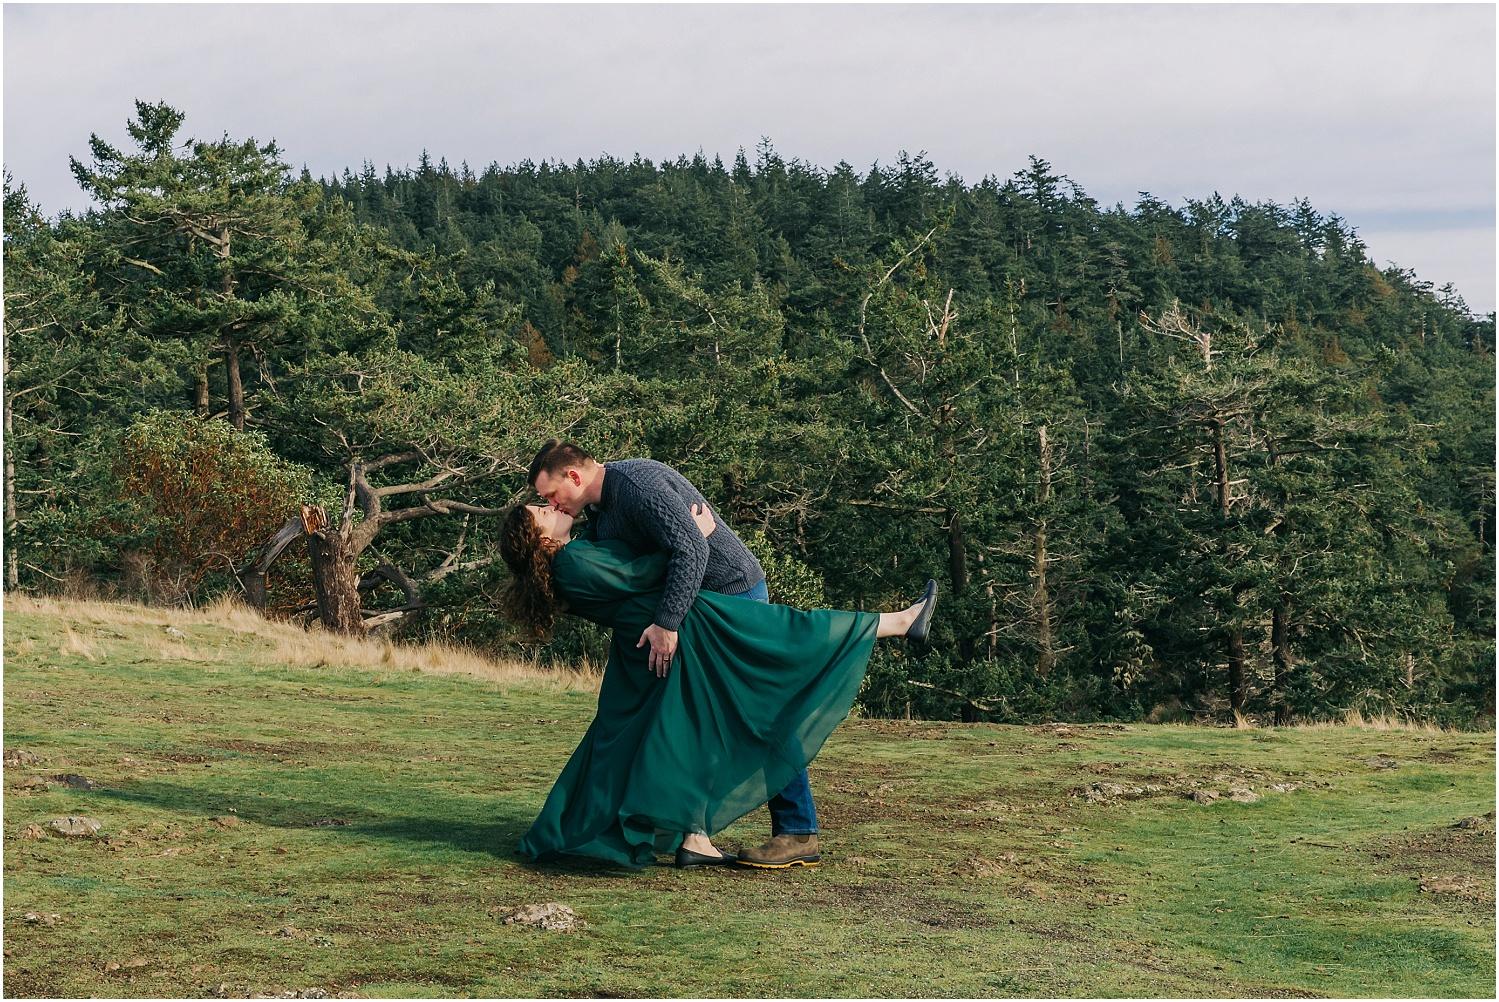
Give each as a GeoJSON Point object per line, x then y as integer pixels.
{"type": "Point", "coordinates": [282, 813]}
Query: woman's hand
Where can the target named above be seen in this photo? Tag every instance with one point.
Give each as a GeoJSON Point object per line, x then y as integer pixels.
{"type": "Point", "coordinates": [704, 519]}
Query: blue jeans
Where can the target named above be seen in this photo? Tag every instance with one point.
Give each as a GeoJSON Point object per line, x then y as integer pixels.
{"type": "Point", "coordinates": [791, 810]}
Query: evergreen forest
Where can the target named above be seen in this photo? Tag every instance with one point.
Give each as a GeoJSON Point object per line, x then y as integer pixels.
{"type": "Point", "coordinates": [1168, 462]}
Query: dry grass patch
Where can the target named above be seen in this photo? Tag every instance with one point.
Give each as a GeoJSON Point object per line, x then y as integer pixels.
{"type": "Point", "coordinates": [74, 645]}
{"type": "Point", "coordinates": [1377, 722]}
{"type": "Point", "coordinates": [282, 643]}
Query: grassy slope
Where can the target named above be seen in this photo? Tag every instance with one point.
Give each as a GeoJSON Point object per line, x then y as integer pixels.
{"type": "Point", "coordinates": [957, 862]}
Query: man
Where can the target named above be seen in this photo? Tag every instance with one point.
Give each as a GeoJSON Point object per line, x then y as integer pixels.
{"type": "Point", "coordinates": [648, 505]}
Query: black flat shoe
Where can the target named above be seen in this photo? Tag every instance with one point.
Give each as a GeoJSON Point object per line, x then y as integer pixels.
{"type": "Point", "coordinates": [920, 628]}
{"type": "Point", "coordinates": [688, 860]}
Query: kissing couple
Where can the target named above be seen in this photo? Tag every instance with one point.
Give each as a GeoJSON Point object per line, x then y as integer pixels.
{"type": "Point", "coordinates": [713, 701]}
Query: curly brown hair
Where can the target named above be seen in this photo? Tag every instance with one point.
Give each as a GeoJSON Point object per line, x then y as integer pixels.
{"type": "Point", "coordinates": [529, 599]}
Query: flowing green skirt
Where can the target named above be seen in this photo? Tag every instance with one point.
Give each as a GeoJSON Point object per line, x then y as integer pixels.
{"type": "Point", "coordinates": [753, 692]}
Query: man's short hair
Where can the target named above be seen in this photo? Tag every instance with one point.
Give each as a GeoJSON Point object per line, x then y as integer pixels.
{"type": "Point", "coordinates": [556, 456]}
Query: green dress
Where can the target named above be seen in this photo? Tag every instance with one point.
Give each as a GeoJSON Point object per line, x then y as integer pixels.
{"type": "Point", "coordinates": [752, 693]}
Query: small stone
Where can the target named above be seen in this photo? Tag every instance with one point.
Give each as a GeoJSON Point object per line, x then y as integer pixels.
{"type": "Point", "coordinates": [1241, 795]}
{"type": "Point", "coordinates": [1203, 796]}
{"type": "Point", "coordinates": [42, 918]}
{"type": "Point", "coordinates": [74, 826]}
{"type": "Point", "coordinates": [33, 832]}
{"type": "Point", "coordinates": [551, 916]}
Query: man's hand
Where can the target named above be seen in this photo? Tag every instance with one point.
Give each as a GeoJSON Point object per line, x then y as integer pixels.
{"type": "Point", "coordinates": [663, 646]}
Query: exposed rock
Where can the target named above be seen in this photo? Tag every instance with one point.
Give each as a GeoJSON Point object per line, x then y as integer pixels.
{"type": "Point", "coordinates": [16, 756]}
{"type": "Point", "coordinates": [1473, 822]}
{"type": "Point", "coordinates": [1382, 762]}
{"type": "Point", "coordinates": [76, 781]}
{"type": "Point", "coordinates": [551, 915]}
{"type": "Point", "coordinates": [74, 826]}
{"type": "Point", "coordinates": [33, 832]}
{"type": "Point", "coordinates": [1059, 730]}
{"type": "Point", "coordinates": [129, 965]}
{"type": "Point", "coordinates": [32, 783]}
{"type": "Point", "coordinates": [1242, 795]}
{"type": "Point", "coordinates": [329, 823]}
{"type": "Point", "coordinates": [1101, 792]}
{"type": "Point", "coordinates": [41, 918]}
{"type": "Point", "coordinates": [1284, 787]}
{"type": "Point", "coordinates": [1203, 796]}
{"type": "Point", "coordinates": [1108, 793]}
{"type": "Point", "coordinates": [225, 820]}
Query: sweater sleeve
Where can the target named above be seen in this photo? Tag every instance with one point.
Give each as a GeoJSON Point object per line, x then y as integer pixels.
{"type": "Point", "coordinates": [665, 518]}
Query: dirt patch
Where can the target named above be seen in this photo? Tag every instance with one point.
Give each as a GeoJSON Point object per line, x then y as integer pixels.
{"type": "Point", "coordinates": [1244, 785]}
{"type": "Point", "coordinates": [183, 758]}
{"type": "Point", "coordinates": [919, 729]}
{"type": "Point", "coordinates": [1454, 863]}
{"type": "Point", "coordinates": [895, 900]}
{"type": "Point", "coordinates": [273, 750]}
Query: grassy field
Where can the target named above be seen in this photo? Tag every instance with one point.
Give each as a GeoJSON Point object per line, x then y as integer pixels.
{"type": "Point", "coordinates": [281, 813]}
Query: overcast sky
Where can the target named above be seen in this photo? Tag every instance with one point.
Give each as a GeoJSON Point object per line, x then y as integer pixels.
{"type": "Point", "coordinates": [1383, 114]}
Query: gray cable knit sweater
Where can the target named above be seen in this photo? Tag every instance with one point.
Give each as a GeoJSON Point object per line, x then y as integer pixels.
{"type": "Point", "coordinates": [649, 506]}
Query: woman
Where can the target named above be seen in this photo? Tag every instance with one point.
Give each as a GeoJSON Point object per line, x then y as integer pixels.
{"type": "Point", "coordinates": [751, 695]}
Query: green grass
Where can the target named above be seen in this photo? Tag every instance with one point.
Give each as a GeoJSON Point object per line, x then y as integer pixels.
{"type": "Point", "coordinates": [958, 860]}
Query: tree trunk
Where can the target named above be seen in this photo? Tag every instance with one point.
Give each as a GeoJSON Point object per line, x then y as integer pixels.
{"type": "Point", "coordinates": [1046, 658]}
{"type": "Point", "coordinates": [957, 562]}
{"type": "Point", "coordinates": [236, 390]}
{"type": "Point", "coordinates": [253, 576]}
{"type": "Point", "coordinates": [12, 521]}
{"type": "Point", "coordinates": [1237, 685]}
{"type": "Point", "coordinates": [957, 566]}
{"type": "Point", "coordinates": [334, 575]}
{"type": "Point", "coordinates": [1220, 461]}
{"type": "Point", "coordinates": [1280, 646]}
{"type": "Point", "coordinates": [200, 392]}
{"type": "Point", "coordinates": [993, 632]}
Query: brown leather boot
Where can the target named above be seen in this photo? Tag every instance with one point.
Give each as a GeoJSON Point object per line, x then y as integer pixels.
{"type": "Point", "coordinates": [781, 852]}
